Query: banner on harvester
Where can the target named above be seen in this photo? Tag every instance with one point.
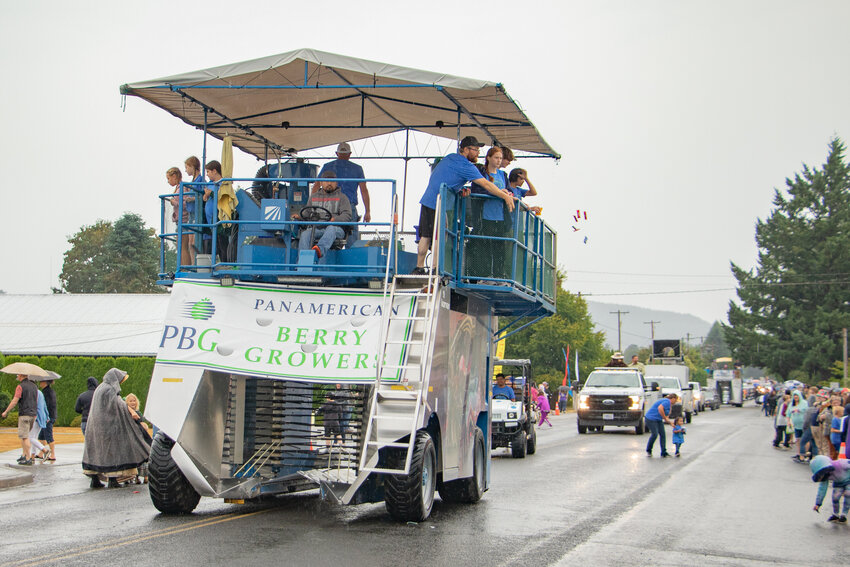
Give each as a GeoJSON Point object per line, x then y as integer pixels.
{"type": "Point", "coordinates": [293, 334]}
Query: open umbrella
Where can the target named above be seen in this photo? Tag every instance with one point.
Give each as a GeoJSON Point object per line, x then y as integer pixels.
{"type": "Point", "coordinates": [51, 376]}
{"type": "Point", "coordinates": [24, 368]}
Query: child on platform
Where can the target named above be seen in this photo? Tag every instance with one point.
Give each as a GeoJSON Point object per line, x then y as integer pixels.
{"type": "Point", "coordinates": [824, 470]}
{"type": "Point", "coordinates": [837, 430]}
{"type": "Point", "coordinates": [678, 434]}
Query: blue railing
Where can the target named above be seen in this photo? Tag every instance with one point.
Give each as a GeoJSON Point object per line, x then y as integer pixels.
{"type": "Point", "coordinates": [517, 253]}
{"type": "Point", "coordinates": [281, 228]}
{"type": "Point", "coordinates": [511, 262]}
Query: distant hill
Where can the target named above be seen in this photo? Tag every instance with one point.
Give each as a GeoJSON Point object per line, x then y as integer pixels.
{"type": "Point", "coordinates": [634, 332]}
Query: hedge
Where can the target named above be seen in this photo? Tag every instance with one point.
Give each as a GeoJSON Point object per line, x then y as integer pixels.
{"type": "Point", "coordinates": [75, 371]}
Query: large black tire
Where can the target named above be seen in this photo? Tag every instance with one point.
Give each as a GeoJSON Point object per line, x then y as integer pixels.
{"type": "Point", "coordinates": [532, 442]}
{"type": "Point", "coordinates": [410, 497]}
{"type": "Point", "coordinates": [582, 429]}
{"type": "Point", "coordinates": [170, 492]}
{"type": "Point", "coordinates": [639, 427]}
{"type": "Point", "coordinates": [519, 445]}
{"type": "Point", "coordinates": [470, 489]}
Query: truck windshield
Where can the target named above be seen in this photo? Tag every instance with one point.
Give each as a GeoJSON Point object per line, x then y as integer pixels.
{"type": "Point", "coordinates": [613, 380]}
{"type": "Point", "coordinates": [664, 382]}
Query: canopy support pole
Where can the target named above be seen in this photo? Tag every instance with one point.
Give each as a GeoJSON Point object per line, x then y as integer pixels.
{"type": "Point", "coordinates": [404, 186]}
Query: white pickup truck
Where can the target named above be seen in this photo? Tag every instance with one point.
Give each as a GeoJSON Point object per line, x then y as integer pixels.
{"type": "Point", "coordinates": [614, 397]}
{"type": "Point", "coordinates": [673, 379]}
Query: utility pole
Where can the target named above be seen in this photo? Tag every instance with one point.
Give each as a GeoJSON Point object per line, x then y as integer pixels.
{"type": "Point", "coordinates": [651, 327]}
{"type": "Point", "coordinates": [619, 327]}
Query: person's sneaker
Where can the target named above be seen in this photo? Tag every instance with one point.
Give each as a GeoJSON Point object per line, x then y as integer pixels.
{"type": "Point", "coordinates": [318, 251]}
{"type": "Point", "coordinates": [678, 454]}
{"type": "Point", "coordinates": [833, 518]}
{"type": "Point", "coordinates": [21, 459]}
{"type": "Point", "coordinates": [649, 453]}
{"type": "Point", "coordinates": [665, 455]}
{"type": "Point", "coordinates": [842, 519]}
{"type": "Point", "coordinates": [27, 463]}
{"type": "Point", "coordinates": [797, 459]}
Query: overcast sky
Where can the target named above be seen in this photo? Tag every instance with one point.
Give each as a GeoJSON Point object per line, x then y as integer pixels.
{"type": "Point", "coordinates": [676, 119]}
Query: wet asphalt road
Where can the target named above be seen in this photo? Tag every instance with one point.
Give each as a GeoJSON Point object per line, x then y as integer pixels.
{"type": "Point", "coordinates": [587, 500]}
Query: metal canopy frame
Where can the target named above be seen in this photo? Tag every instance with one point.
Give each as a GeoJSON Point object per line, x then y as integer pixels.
{"type": "Point", "coordinates": [338, 98]}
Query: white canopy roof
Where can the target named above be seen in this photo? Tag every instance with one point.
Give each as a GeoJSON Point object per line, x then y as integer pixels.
{"type": "Point", "coordinates": [308, 99]}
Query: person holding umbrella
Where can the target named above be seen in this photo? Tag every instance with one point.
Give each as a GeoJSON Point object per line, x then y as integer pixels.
{"type": "Point", "coordinates": [27, 394]}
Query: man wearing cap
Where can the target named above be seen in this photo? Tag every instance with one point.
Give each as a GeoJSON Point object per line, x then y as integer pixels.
{"type": "Point", "coordinates": [27, 393]}
{"type": "Point", "coordinates": [454, 170]}
{"type": "Point", "coordinates": [344, 168]}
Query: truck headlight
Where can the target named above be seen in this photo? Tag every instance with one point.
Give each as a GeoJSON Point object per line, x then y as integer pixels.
{"type": "Point", "coordinates": [635, 402]}
{"type": "Point", "coordinates": [511, 415]}
{"type": "Point", "coordinates": [582, 402]}
{"type": "Point", "coordinates": [697, 395]}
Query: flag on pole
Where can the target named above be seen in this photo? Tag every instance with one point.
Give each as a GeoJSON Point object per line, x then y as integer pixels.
{"type": "Point", "coordinates": [578, 379]}
{"type": "Point", "coordinates": [566, 364]}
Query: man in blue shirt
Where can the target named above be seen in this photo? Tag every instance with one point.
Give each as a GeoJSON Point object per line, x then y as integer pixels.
{"type": "Point", "coordinates": [454, 170]}
{"type": "Point", "coordinates": [500, 388]}
{"type": "Point", "coordinates": [656, 417]}
{"type": "Point", "coordinates": [344, 168]}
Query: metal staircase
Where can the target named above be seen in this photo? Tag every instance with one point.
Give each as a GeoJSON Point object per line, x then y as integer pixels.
{"type": "Point", "coordinates": [396, 406]}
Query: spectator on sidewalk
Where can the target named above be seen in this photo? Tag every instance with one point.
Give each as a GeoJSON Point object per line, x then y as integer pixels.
{"type": "Point", "coordinates": [781, 422]}
{"type": "Point", "coordinates": [114, 446]}
{"type": "Point", "coordinates": [26, 393]}
{"type": "Point", "coordinates": [46, 435]}
{"type": "Point", "coordinates": [84, 402]}
{"type": "Point", "coordinates": [41, 419]}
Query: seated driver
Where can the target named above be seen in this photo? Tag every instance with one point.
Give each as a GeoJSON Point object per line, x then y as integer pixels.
{"type": "Point", "coordinates": [500, 388]}
{"type": "Point", "coordinates": [330, 197]}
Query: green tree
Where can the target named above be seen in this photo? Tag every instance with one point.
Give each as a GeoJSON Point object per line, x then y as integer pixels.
{"type": "Point", "coordinates": [85, 262]}
{"type": "Point", "coordinates": [103, 258]}
{"type": "Point", "coordinates": [132, 251]}
{"type": "Point", "coordinates": [543, 342]}
{"type": "Point", "coordinates": [793, 305]}
{"type": "Point", "coordinates": [715, 344]}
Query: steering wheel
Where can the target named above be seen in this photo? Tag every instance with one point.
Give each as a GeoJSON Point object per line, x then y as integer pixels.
{"type": "Point", "coordinates": [501, 397]}
{"type": "Point", "coordinates": [313, 213]}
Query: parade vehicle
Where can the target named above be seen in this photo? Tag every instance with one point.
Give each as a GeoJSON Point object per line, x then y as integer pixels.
{"type": "Point", "coordinates": [511, 420]}
{"type": "Point", "coordinates": [667, 368]}
{"type": "Point", "coordinates": [281, 370]}
{"type": "Point", "coordinates": [729, 386]}
{"type": "Point", "coordinates": [614, 397]}
{"type": "Point", "coordinates": [699, 397]}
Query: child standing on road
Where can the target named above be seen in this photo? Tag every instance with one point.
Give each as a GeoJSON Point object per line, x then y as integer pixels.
{"type": "Point", "coordinates": [678, 435]}
{"type": "Point", "coordinates": [543, 404]}
{"type": "Point", "coordinates": [837, 430]}
{"type": "Point", "coordinates": [824, 470]}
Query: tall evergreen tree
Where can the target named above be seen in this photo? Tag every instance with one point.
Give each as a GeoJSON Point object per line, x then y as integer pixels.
{"type": "Point", "coordinates": [795, 302]}
{"type": "Point", "coordinates": [112, 259]}
{"type": "Point", "coordinates": [715, 344]}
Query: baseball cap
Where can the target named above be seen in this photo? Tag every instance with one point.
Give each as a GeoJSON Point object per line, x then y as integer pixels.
{"type": "Point", "coordinates": [343, 148]}
{"type": "Point", "coordinates": [470, 141]}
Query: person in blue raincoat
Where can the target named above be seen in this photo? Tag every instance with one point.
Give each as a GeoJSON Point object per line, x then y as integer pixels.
{"type": "Point", "coordinates": [825, 470]}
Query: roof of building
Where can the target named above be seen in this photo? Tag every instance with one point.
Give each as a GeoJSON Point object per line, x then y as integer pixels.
{"type": "Point", "coordinates": [82, 324]}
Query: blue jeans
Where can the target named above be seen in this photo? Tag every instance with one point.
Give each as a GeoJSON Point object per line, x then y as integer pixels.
{"type": "Point", "coordinates": [325, 234]}
{"type": "Point", "coordinates": [656, 428]}
{"type": "Point", "coordinates": [808, 439]}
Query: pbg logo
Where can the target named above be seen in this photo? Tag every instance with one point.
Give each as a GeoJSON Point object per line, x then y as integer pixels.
{"type": "Point", "coordinates": [201, 310]}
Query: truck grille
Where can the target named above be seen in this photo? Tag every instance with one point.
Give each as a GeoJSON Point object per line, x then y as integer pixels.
{"type": "Point", "coordinates": [598, 403]}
